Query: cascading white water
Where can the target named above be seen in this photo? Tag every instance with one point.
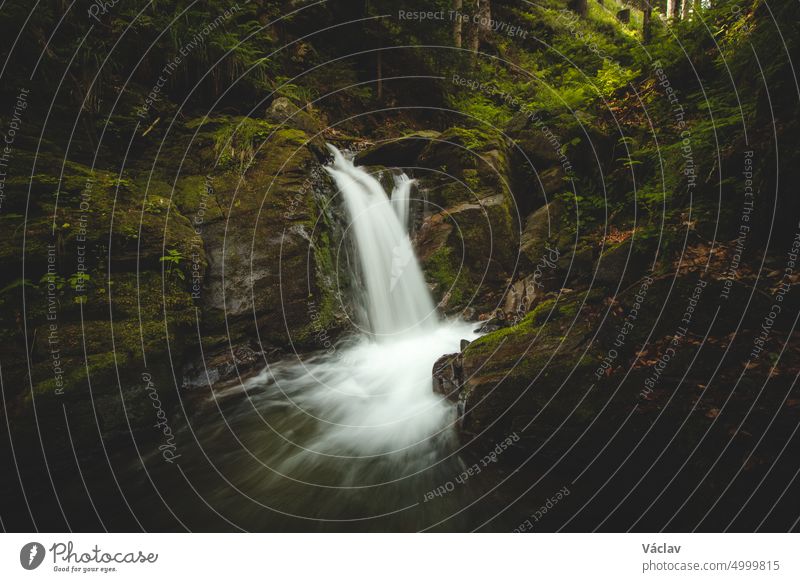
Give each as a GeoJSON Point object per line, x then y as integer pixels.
{"type": "Point", "coordinates": [401, 199]}
{"type": "Point", "coordinates": [397, 298]}
{"type": "Point", "coordinates": [357, 432]}
{"type": "Point", "coordinates": [374, 392]}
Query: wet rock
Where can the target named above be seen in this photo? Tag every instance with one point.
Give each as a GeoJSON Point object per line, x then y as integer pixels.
{"type": "Point", "coordinates": [467, 252]}
{"type": "Point", "coordinates": [493, 324]}
{"type": "Point", "coordinates": [397, 152]}
{"type": "Point", "coordinates": [270, 264]}
{"type": "Point", "coordinates": [520, 297]}
{"type": "Point", "coordinates": [447, 376]}
{"type": "Point", "coordinates": [541, 227]}
{"type": "Point", "coordinates": [518, 369]}
{"type": "Point", "coordinates": [224, 365]}
{"type": "Point", "coordinates": [468, 243]}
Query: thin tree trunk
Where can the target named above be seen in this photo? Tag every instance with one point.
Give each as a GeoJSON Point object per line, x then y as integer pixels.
{"type": "Point", "coordinates": [685, 5]}
{"type": "Point", "coordinates": [475, 33]}
{"type": "Point", "coordinates": [457, 6]}
{"type": "Point", "coordinates": [484, 16]}
{"type": "Point", "coordinates": [647, 13]}
{"type": "Point", "coordinates": [672, 9]}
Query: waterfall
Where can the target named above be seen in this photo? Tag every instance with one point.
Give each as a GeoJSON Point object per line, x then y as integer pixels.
{"type": "Point", "coordinates": [401, 198]}
{"type": "Point", "coordinates": [353, 432]}
{"type": "Point", "coordinates": [397, 299]}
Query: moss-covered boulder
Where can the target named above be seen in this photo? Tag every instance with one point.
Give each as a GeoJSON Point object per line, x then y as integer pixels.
{"type": "Point", "coordinates": [399, 152]}
{"type": "Point", "coordinates": [271, 271]}
{"type": "Point", "coordinates": [226, 237]}
{"type": "Point", "coordinates": [541, 364]}
{"type": "Point", "coordinates": [468, 241]}
{"type": "Point", "coordinates": [468, 253]}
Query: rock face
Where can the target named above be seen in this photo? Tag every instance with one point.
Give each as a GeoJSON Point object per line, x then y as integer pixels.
{"type": "Point", "coordinates": [469, 234]}
{"type": "Point", "coordinates": [266, 257]}
{"type": "Point", "coordinates": [397, 152]}
{"type": "Point", "coordinates": [511, 375]}
{"type": "Point", "coordinates": [237, 247]}
{"type": "Point", "coordinates": [542, 227]}
{"type": "Point", "coordinates": [447, 376]}
{"type": "Point", "coordinates": [540, 166]}
{"type": "Point", "coordinates": [100, 337]}
{"type": "Point", "coordinates": [522, 295]}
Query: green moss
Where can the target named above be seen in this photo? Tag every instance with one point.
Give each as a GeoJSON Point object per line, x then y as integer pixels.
{"type": "Point", "coordinates": [102, 370]}
{"type": "Point", "coordinates": [489, 343]}
{"type": "Point", "coordinates": [442, 269]}
{"type": "Point", "coordinates": [236, 139]}
{"type": "Point", "coordinates": [192, 198]}
{"type": "Point", "coordinates": [472, 179]}
{"type": "Point", "coordinates": [326, 303]}
{"type": "Point", "coordinates": [291, 136]}
{"type": "Point", "coordinates": [473, 138]}
{"type": "Point", "coordinates": [544, 318]}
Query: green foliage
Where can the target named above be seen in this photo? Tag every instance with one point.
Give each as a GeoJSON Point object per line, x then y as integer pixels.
{"type": "Point", "coordinates": [481, 109]}
{"type": "Point", "coordinates": [612, 77]}
{"type": "Point", "coordinates": [51, 279]}
{"type": "Point", "coordinates": [17, 284]}
{"type": "Point", "coordinates": [173, 260]}
{"type": "Point", "coordinates": [236, 139]}
{"type": "Point", "coordinates": [297, 93]}
{"type": "Point", "coordinates": [79, 283]}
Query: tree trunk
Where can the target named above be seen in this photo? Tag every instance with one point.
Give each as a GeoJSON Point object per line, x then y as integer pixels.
{"type": "Point", "coordinates": [672, 9]}
{"type": "Point", "coordinates": [685, 5]}
{"type": "Point", "coordinates": [580, 7]}
{"type": "Point", "coordinates": [480, 20]}
{"type": "Point", "coordinates": [647, 13]}
{"type": "Point", "coordinates": [457, 6]}
{"type": "Point", "coordinates": [473, 39]}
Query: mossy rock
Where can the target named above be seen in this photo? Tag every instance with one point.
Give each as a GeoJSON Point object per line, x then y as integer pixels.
{"type": "Point", "coordinates": [273, 252]}
{"type": "Point", "coordinates": [117, 406]}
{"type": "Point", "coordinates": [467, 251]}
{"type": "Point", "coordinates": [399, 151]}
{"type": "Point", "coordinates": [451, 282]}
{"type": "Point", "coordinates": [542, 227]}
{"type": "Point", "coordinates": [460, 148]}
{"type": "Point", "coordinates": [474, 225]}
{"type": "Point", "coordinates": [522, 369]}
